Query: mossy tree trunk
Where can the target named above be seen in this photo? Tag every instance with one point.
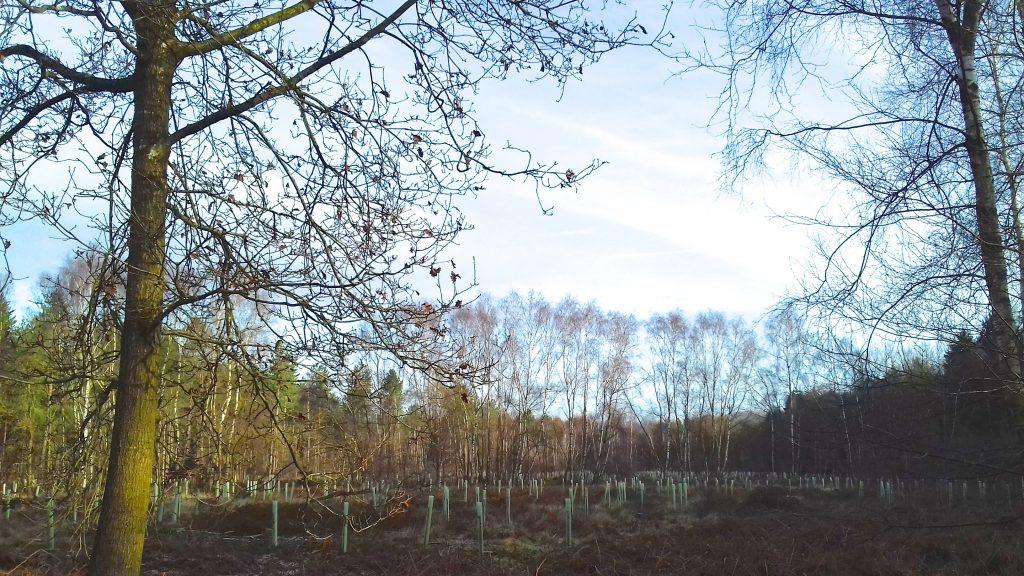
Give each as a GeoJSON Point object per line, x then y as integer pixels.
{"type": "Point", "coordinates": [122, 524]}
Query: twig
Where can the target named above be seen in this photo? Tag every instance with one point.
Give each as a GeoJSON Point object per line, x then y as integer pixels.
{"type": "Point", "coordinates": [22, 563]}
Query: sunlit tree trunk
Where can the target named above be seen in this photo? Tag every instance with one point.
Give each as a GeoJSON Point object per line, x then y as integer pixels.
{"type": "Point", "coordinates": [1002, 110]}
{"type": "Point", "coordinates": [962, 32]}
{"type": "Point", "coordinates": [122, 522]}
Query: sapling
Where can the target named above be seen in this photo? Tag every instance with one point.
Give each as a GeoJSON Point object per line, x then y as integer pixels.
{"type": "Point", "coordinates": [480, 523]}
{"type": "Point", "coordinates": [176, 509]}
{"type": "Point", "coordinates": [430, 515]}
{"type": "Point", "coordinates": [344, 527]}
{"type": "Point", "coordinates": [273, 524]}
{"type": "Point", "coordinates": [568, 521]}
{"type": "Point", "coordinates": [446, 505]}
{"type": "Point", "coordinates": [51, 526]}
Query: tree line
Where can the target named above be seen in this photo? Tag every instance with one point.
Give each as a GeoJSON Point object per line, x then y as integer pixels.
{"type": "Point", "coordinates": [550, 388]}
{"type": "Point", "coordinates": [256, 198]}
{"type": "Point", "coordinates": [298, 160]}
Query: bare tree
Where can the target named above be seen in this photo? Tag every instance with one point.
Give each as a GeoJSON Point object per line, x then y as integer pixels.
{"type": "Point", "coordinates": [579, 355]}
{"type": "Point", "coordinates": [667, 367]}
{"type": "Point", "coordinates": [615, 374]}
{"type": "Point", "coordinates": [919, 242]}
{"type": "Point", "coordinates": [788, 355]}
{"type": "Point", "coordinates": [724, 355]}
{"type": "Point", "coordinates": [259, 150]}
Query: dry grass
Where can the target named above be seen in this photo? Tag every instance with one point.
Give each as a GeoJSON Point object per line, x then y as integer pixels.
{"type": "Point", "coordinates": [763, 532]}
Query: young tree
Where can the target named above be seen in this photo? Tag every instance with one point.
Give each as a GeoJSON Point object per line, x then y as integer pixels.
{"type": "Point", "coordinates": [9, 393]}
{"type": "Point", "coordinates": [7, 349]}
{"type": "Point", "coordinates": [724, 358]}
{"type": "Point", "coordinates": [579, 354]}
{"type": "Point", "coordinates": [788, 354]}
{"type": "Point", "coordinates": [262, 151]}
{"type": "Point", "coordinates": [667, 336]}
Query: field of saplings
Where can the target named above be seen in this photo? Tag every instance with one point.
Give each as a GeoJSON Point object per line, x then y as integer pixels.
{"type": "Point", "coordinates": [647, 524]}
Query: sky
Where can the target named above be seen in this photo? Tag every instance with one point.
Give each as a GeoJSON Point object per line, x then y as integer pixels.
{"type": "Point", "coordinates": [650, 231]}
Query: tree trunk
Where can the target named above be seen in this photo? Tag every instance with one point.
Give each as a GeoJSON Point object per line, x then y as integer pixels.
{"type": "Point", "coordinates": [122, 523]}
{"type": "Point", "coordinates": [962, 33]}
{"type": "Point", "coordinates": [792, 430]}
{"type": "Point", "coordinates": [1011, 175]}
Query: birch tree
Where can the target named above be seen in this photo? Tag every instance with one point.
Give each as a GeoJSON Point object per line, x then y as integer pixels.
{"type": "Point", "coordinates": [894, 104]}
{"type": "Point", "coordinates": [668, 365]}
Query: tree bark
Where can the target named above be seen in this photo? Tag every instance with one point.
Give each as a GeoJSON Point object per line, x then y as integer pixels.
{"type": "Point", "coordinates": [122, 524]}
{"type": "Point", "coordinates": [1011, 176]}
{"type": "Point", "coordinates": [962, 32]}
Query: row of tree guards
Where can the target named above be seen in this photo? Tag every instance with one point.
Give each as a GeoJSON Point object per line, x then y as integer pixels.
{"type": "Point", "coordinates": [673, 494]}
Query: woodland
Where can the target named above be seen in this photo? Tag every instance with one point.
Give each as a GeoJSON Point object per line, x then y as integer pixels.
{"type": "Point", "coordinates": [259, 348]}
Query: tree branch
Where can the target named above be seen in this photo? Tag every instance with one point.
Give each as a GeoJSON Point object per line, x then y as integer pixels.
{"type": "Point", "coordinates": [291, 82]}
{"type": "Point", "coordinates": [35, 111]}
{"type": "Point", "coordinates": [93, 83]}
{"type": "Point", "coordinates": [253, 27]}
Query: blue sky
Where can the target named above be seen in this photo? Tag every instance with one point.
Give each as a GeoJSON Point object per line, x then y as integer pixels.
{"type": "Point", "coordinates": [649, 232]}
